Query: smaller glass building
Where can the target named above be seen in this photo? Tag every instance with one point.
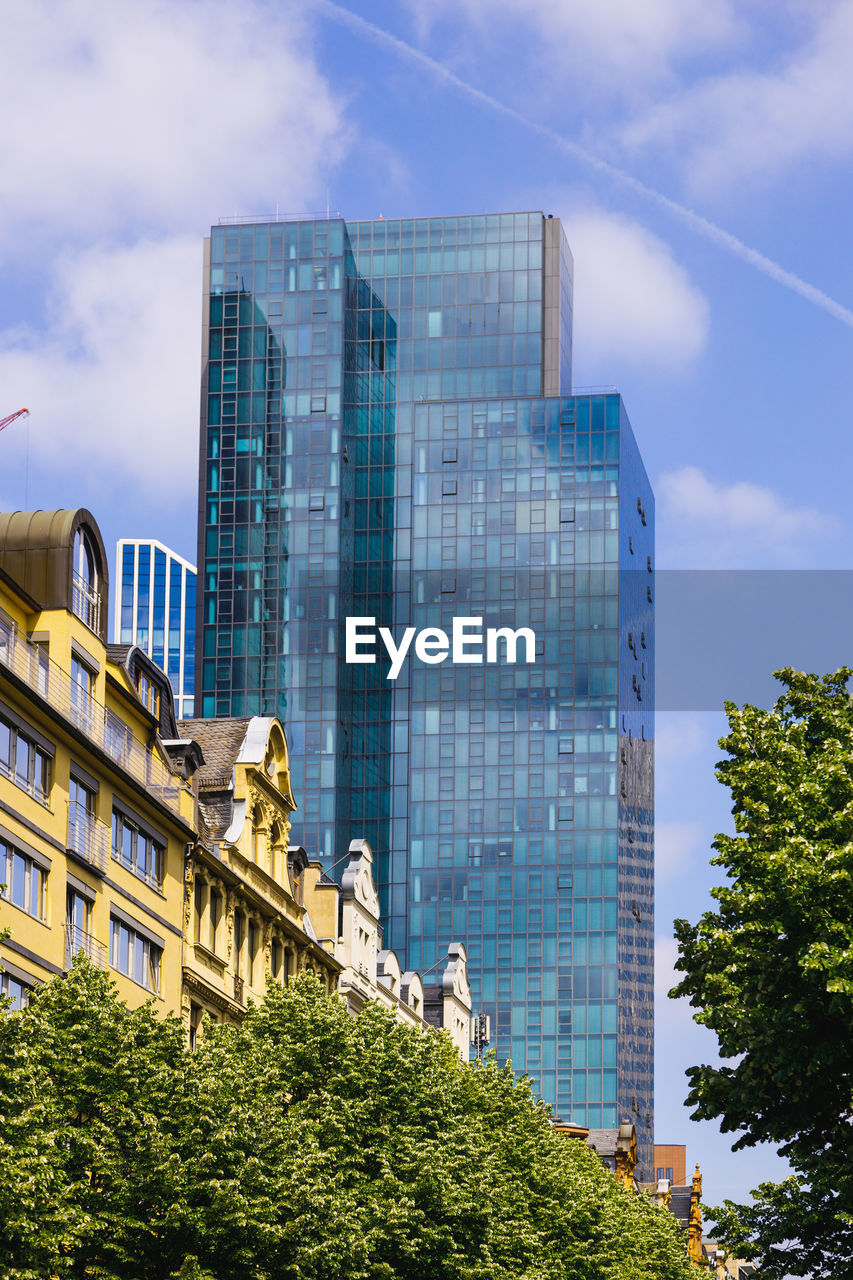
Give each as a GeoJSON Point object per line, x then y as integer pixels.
{"type": "Point", "coordinates": [155, 609]}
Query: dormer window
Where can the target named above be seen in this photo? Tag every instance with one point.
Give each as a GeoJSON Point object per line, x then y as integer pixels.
{"type": "Point", "coordinates": [85, 584]}
{"type": "Point", "coordinates": [149, 694]}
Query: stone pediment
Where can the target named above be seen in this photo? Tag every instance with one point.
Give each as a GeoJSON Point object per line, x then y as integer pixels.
{"type": "Point", "coordinates": [454, 980]}
{"type": "Point", "coordinates": [357, 881]}
{"type": "Point", "coordinates": [388, 971]}
{"type": "Point", "coordinates": [412, 991]}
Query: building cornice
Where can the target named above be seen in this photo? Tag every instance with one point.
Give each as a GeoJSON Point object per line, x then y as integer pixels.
{"type": "Point", "coordinates": [194, 982]}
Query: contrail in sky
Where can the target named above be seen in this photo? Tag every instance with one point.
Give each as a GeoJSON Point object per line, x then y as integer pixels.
{"type": "Point", "coordinates": [702, 226]}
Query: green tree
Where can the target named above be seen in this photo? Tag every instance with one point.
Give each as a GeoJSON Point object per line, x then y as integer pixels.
{"type": "Point", "coordinates": [770, 971]}
{"type": "Point", "coordinates": [303, 1145]}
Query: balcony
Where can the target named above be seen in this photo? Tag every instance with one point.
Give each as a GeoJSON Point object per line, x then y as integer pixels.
{"type": "Point", "coordinates": [91, 718]}
{"type": "Point", "coordinates": [76, 940]}
{"type": "Point", "coordinates": [88, 838]}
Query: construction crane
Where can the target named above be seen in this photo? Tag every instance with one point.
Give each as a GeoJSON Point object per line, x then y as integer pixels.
{"type": "Point", "coordinates": [21, 413]}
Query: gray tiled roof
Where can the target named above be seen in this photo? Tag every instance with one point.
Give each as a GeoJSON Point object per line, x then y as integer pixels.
{"type": "Point", "coordinates": [216, 811]}
{"type": "Point", "coordinates": [220, 742]}
{"type": "Point", "coordinates": [604, 1141]}
{"type": "Point", "coordinates": [118, 653]}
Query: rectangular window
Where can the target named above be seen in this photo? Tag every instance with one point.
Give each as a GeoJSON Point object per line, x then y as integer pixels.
{"type": "Point", "coordinates": [16, 990]}
{"type": "Point", "coordinates": [134, 955]}
{"type": "Point", "coordinates": [238, 943]}
{"type": "Point", "coordinates": [82, 693]}
{"type": "Point", "coordinates": [215, 917]}
{"type": "Point", "coordinates": [252, 948]}
{"type": "Point", "coordinates": [40, 666]}
{"type": "Point", "coordinates": [77, 912]}
{"type": "Point", "coordinates": [25, 881]}
{"type": "Point", "coordinates": [7, 639]}
{"type": "Point", "coordinates": [118, 739]}
{"type": "Point", "coordinates": [78, 934]}
{"type": "Point", "coordinates": [198, 900]}
{"type": "Point", "coordinates": [196, 1015]}
{"type": "Point", "coordinates": [137, 850]}
{"type": "Point", "coordinates": [26, 763]}
{"type": "Point", "coordinates": [83, 830]}
{"type": "Point", "coordinates": [149, 694]}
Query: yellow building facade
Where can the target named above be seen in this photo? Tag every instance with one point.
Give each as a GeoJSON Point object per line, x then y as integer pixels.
{"type": "Point", "coordinates": [95, 816]}
{"type": "Point", "coordinates": [247, 892]}
{"type": "Point", "coordinates": [161, 850]}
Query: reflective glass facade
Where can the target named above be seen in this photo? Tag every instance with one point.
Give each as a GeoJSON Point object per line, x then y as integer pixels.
{"type": "Point", "coordinates": [388, 432]}
{"type": "Point", "coordinates": [155, 609]}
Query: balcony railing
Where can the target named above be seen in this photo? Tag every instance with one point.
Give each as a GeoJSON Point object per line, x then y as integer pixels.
{"type": "Point", "coordinates": [82, 707]}
{"type": "Point", "coordinates": [88, 837]}
{"type": "Point", "coordinates": [77, 940]}
{"type": "Point", "coordinates": [86, 602]}
{"type": "Point", "coordinates": [246, 219]}
{"type": "Point", "coordinates": [90, 717]}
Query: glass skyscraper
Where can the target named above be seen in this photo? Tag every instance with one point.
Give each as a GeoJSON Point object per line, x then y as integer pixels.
{"type": "Point", "coordinates": [389, 432]}
{"type": "Point", "coordinates": [155, 609]}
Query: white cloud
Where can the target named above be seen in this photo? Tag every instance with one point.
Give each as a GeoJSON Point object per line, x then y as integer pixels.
{"type": "Point", "coordinates": [705, 524]}
{"type": "Point", "coordinates": [750, 124]}
{"type": "Point", "coordinates": [152, 115]}
{"type": "Point", "coordinates": [634, 303]}
{"type": "Point", "coordinates": [113, 381]}
{"type": "Point", "coordinates": [128, 129]}
{"type": "Point", "coordinates": [613, 43]}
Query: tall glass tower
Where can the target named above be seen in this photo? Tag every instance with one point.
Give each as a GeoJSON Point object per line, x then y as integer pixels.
{"type": "Point", "coordinates": [388, 432]}
{"type": "Point", "coordinates": [155, 608]}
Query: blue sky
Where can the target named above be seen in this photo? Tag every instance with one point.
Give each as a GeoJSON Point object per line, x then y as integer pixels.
{"type": "Point", "coordinates": [128, 128]}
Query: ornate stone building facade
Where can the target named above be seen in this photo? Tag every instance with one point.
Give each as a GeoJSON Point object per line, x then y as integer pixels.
{"type": "Point", "coordinates": [246, 890]}
{"type": "Point", "coordinates": [256, 907]}
{"type": "Point", "coordinates": [371, 972]}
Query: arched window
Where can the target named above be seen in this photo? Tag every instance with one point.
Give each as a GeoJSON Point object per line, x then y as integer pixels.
{"type": "Point", "coordinates": [86, 587]}
{"type": "Point", "coordinates": [84, 559]}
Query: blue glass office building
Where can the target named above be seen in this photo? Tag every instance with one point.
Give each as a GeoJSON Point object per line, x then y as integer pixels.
{"type": "Point", "coordinates": [155, 609]}
{"type": "Point", "coordinates": [388, 431]}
